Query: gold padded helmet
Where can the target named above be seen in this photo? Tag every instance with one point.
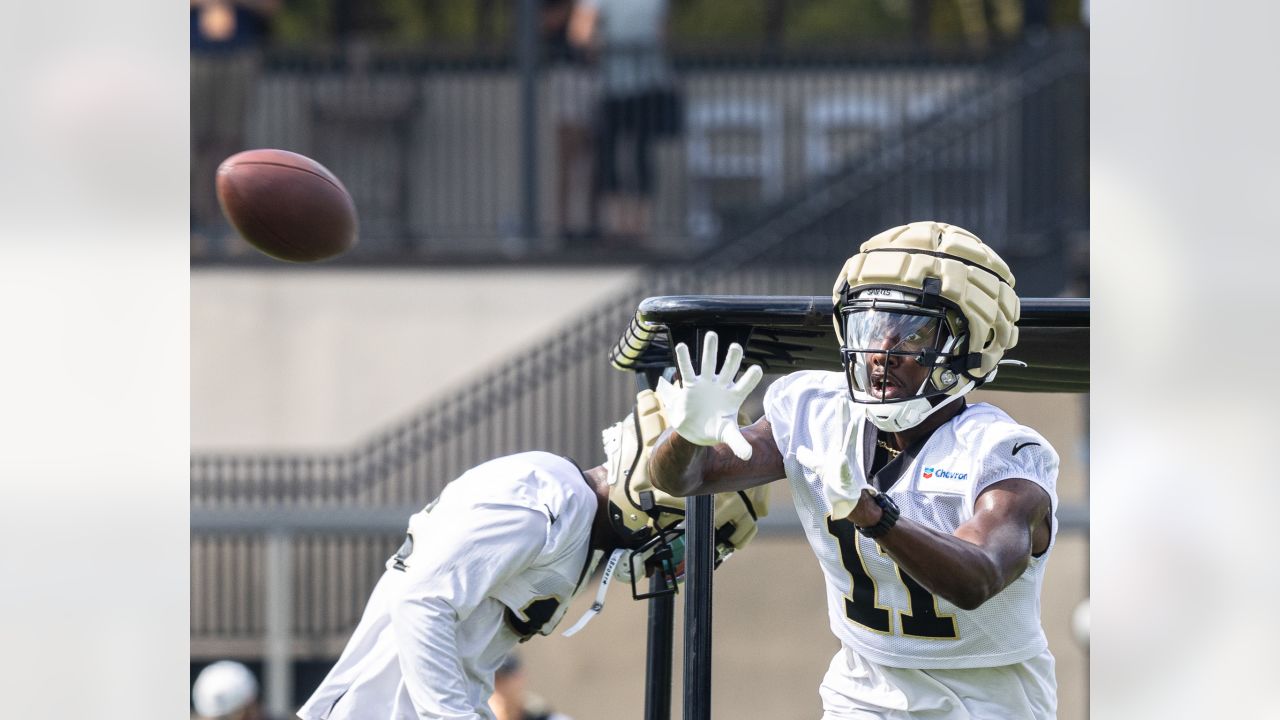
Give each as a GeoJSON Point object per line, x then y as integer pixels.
{"type": "Point", "coordinates": [939, 285]}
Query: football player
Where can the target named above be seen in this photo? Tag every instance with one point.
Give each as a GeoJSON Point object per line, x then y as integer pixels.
{"type": "Point", "coordinates": [932, 518]}
{"type": "Point", "coordinates": [496, 559]}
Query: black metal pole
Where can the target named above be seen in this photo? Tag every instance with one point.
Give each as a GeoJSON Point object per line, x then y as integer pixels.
{"type": "Point", "coordinates": [658, 657]}
{"type": "Point", "coordinates": [700, 552]}
{"type": "Point", "coordinates": [528, 57]}
{"type": "Point", "coordinates": [699, 559]}
{"type": "Point", "coordinates": [657, 679]}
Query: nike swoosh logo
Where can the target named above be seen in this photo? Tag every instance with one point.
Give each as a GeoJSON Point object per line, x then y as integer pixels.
{"type": "Point", "coordinates": [1017, 447]}
{"type": "Point", "coordinates": [549, 513]}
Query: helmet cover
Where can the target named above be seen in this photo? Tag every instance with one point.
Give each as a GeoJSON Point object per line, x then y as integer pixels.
{"type": "Point", "coordinates": [931, 292]}
{"type": "Point", "coordinates": [950, 264]}
{"type": "Point", "coordinates": [651, 521]}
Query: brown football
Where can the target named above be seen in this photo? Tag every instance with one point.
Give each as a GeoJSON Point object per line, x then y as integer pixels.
{"type": "Point", "coordinates": [287, 205]}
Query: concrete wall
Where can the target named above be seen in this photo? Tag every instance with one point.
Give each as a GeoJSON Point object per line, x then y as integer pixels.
{"type": "Point", "coordinates": [314, 359]}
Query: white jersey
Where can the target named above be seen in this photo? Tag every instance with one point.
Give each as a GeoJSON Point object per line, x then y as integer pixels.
{"type": "Point", "coordinates": [877, 611]}
{"type": "Point", "coordinates": [495, 560]}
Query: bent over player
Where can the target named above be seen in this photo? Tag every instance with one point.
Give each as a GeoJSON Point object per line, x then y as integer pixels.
{"type": "Point", "coordinates": [931, 518]}
{"type": "Point", "coordinates": [494, 561]}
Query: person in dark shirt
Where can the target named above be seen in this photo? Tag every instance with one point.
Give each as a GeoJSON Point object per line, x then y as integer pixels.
{"type": "Point", "coordinates": [227, 40]}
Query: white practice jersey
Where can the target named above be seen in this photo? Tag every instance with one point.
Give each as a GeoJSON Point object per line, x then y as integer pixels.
{"type": "Point", "coordinates": [876, 610]}
{"type": "Point", "coordinates": [493, 561]}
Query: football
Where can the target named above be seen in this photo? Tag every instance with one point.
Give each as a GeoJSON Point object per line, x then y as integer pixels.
{"type": "Point", "coordinates": [287, 205]}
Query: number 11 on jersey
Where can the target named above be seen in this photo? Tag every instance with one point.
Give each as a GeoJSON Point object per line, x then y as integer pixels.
{"type": "Point", "coordinates": [921, 618]}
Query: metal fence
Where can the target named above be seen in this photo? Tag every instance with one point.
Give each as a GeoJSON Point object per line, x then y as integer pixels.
{"type": "Point", "coordinates": [996, 158]}
{"type": "Point", "coordinates": [434, 150]}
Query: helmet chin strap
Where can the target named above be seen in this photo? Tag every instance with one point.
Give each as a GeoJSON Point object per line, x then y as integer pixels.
{"type": "Point", "coordinates": [896, 417]}
{"type": "Point", "coordinates": [615, 560]}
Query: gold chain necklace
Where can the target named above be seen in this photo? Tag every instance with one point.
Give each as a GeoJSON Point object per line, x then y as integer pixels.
{"type": "Point", "coordinates": [893, 452]}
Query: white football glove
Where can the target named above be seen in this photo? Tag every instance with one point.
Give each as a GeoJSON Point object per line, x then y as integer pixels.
{"type": "Point", "coordinates": [703, 409]}
{"type": "Point", "coordinates": [838, 482]}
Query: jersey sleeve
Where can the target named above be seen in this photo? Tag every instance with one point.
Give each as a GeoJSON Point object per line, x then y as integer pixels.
{"type": "Point", "coordinates": [1020, 453]}
{"type": "Point", "coordinates": [457, 558]}
{"type": "Point", "coordinates": [791, 402]}
{"type": "Point", "coordinates": [780, 402]}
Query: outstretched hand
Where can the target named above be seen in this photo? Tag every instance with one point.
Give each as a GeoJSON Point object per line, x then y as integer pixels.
{"type": "Point", "coordinates": [703, 409]}
{"type": "Point", "coordinates": [839, 486]}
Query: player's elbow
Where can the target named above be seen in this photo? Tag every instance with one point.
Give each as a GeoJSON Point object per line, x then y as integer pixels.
{"type": "Point", "coordinates": [671, 478]}
{"type": "Point", "coordinates": [665, 485]}
{"type": "Point", "coordinates": [968, 599]}
{"type": "Point", "coordinates": [673, 484]}
{"type": "Point", "coordinates": [983, 583]}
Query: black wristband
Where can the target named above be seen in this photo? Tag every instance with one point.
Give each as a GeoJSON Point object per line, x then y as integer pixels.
{"type": "Point", "coordinates": [888, 516]}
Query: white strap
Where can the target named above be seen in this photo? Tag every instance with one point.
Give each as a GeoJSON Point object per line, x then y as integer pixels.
{"type": "Point", "coordinates": [598, 605]}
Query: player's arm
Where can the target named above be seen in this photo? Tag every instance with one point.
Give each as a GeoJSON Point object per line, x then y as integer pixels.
{"type": "Point", "coordinates": [705, 451]}
{"type": "Point", "coordinates": [454, 566]}
{"type": "Point", "coordinates": [985, 554]}
{"type": "Point", "coordinates": [681, 468]}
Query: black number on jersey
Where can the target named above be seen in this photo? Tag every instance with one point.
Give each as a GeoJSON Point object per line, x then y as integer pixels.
{"type": "Point", "coordinates": [922, 618]}
{"type": "Point", "coordinates": [861, 605]}
{"type": "Point", "coordinates": [529, 621]}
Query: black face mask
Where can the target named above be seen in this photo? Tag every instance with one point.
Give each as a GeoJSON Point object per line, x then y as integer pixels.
{"type": "Point", "coordinates": [879, 339]}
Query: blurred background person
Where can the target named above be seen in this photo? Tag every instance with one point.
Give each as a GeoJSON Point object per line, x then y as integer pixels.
{"type": "Point", "coordinates": [626, 38]}
{"type": "Point", "coordinates": [226, 690]}
{"type": "Point", "coordinates": [227, 41]}
{"type": "Point", "coordinates": [573, 98]}
{"type": "Point", "coordinates": [511, 698]}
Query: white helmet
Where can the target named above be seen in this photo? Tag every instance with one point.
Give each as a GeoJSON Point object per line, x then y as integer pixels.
{"type": "Point", "coordinates": [942, 298]}
{"type": "Point", "coordinates": [223, 688]}
{"type": "Point", "coordinates": [649, 521]}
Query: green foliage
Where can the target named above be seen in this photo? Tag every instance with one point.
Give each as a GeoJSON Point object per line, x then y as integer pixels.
{"type": "Point", "coordinates": [407, 21]}
{"type": "Point", "coordinates": [1065, 12]}
{"type": "Point", "coordinates": [945, 21]}
{"type": "Point", "coordinates": [694, 23]}
{"type": "Point", "coordinates": [399, 22]}
{"type": "Point", "coordinates": [303, 22]}
{"type": "Point", "coordinates": [829, 22]}
{"type": "Point", "coordinates": [700, 20]}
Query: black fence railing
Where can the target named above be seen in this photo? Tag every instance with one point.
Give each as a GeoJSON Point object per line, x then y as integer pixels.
{"type": "Point", "coordinates": [431, 147]}
{"type": "Point", "coordinates": [1008, 159]}
{"type": "Point", "coordinates": [335, 574]}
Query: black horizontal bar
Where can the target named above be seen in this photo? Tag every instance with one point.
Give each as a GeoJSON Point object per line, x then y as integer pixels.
{"type": "Point", "coordinates": [815, 310]}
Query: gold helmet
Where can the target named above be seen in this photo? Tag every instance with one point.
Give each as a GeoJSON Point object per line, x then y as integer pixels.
{"type": "Point", "coordinates": [945, 297]}
{"type": "Point", "coordinates": [651, 522]}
